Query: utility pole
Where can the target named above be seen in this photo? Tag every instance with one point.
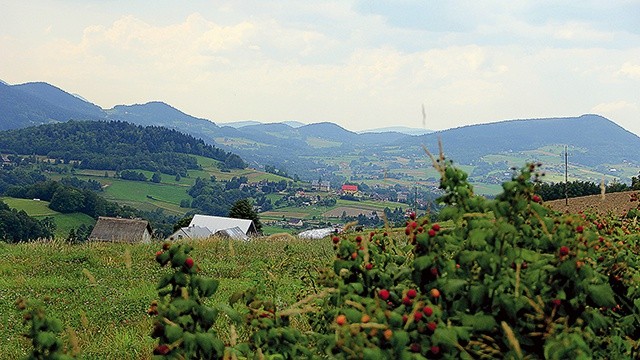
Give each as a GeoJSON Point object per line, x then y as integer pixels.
{"type": "Point", "coordinates": [566, 175]}
{"type": "Point", "coordinates": [415, 199]}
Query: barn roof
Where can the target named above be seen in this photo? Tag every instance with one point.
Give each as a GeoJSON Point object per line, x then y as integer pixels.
{"type": "Point", "coordinates": [191, 232]}
{"type": "Point", "coordinates": [216, 223]}
{"type": "Point", "coordinates": [232, 233]}
{"type": "Point", "coordinates": [120, 230]}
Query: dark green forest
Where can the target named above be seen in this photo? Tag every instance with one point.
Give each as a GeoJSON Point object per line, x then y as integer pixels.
{"type": "Point", "coordinates": [115, 146]}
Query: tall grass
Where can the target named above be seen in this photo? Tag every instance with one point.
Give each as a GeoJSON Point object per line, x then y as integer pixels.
{"type": "Point", "coordinates": [103, 290]}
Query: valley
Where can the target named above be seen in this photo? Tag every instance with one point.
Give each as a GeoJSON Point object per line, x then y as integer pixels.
{"type": "Point", "coordinates": [276, 164]}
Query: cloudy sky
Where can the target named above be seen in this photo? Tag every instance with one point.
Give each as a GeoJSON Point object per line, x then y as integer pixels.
{"type": "Point", "coordinates": [361, 64]}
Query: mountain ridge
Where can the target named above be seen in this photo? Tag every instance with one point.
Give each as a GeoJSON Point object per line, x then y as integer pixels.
{"type": "Point", "coordinates": [306, 149]}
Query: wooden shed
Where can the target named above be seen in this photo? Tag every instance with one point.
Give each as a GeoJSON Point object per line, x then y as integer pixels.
{"type": "Point", "coordinates": [121, 230]}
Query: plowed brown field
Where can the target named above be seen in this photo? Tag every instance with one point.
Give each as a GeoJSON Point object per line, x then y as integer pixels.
{"type": "Point", "coordinates": [613, 203]}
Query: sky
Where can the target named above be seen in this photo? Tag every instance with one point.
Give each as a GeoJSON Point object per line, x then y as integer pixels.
{"type": "Point", "coordinates": [362, 64]}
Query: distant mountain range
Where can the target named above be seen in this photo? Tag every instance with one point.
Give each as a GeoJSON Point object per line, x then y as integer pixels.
{"type": "Point", "coordinates": [300, 148]}
{"type": "Point", "coordinates": [399, 129]}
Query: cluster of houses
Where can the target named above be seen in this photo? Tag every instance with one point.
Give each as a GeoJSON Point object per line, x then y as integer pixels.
{"type": "Point", "coordinates": [201, 227]}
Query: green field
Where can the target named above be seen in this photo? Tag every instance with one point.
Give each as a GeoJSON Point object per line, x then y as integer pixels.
{"type": "Point", "coordinates": [166, 195]}
{"type": "Point", "coordinates": [103, 290]}
{"type": "Point", "coordinates": [30, 206]}
{"type": "Point", "coordinates": [40, 210]}
{"type": "Point", "coordinates": [134, 193]}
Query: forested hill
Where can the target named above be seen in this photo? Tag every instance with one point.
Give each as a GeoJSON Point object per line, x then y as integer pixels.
{"type": "Point", "coordinates": [114, 146]}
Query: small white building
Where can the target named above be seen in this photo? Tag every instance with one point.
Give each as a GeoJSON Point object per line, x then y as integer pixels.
{"type": "Point", "coordinates": [217, 223]}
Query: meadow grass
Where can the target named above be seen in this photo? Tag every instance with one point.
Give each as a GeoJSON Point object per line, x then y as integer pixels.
{"type": "Point", "coordinates": [40, 210]}
{"type": "Point", "coordinates": [66, 222]}
{"type": "Point", "coordinates": [30, 206]}
{"type": "Point", "coordinates": [103, 290]}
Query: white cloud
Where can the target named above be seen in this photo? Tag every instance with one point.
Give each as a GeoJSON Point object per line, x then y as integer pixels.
{"type": "Point", "coordinates": [581, 32]}
{"type": "Point", "coordinates": [629, 70]}
{"type": "Point", "coordinates": [615, 107]}
{"type": "Point", "coordinates": [327, 61]}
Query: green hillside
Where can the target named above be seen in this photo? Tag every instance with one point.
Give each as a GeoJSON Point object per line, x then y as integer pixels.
{"type": "Point", "coordinates": [39, 210]}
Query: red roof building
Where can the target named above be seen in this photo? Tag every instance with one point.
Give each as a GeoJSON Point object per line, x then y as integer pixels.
{"type": "Point", "coordinates": [350, 188]}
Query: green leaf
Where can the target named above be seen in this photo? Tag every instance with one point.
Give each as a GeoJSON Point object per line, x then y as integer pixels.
{"type": "Point", "coordinates": [466, 256]}
{"type": "Point", "coordinates": [178, 259]}
{"type": "Point", "coordinates": [423, 262]}
{"type": "Point", "coordinates": [395, 319]}
{"type": "Point", "coordinates": [567, 268]}
{"type": "Point", "coordinates": [445, 336]}
{"type": "Point", "coordinates": [164, 281]}
{"type": "Point", "coordinates": [601, 294]}
{"type": "Point", "coordinates": [453, 286]}
{"type": "Point", "coordinates": [477, 294]}
{"type": "Point", "coordinates": [353, 315]}
{"type": "Point", "coordinates": [209, 286]}
{"type": "Point", "coordinates": [180, 279]}
{"type": "Point", "coordinates": [400, 339]}
{"type": "Point", "coordinates": [45, 339]}
{"type": "Point", "coordinates": [173, 332]}
{"type": "Point", "coordinates": [372, 354]}
{"type": "Point", "coordinates": [357, 287]}
{"type": "Point", "coordinates": [205, 344]}
{"type": "Point", "coordinates": [596, 320]}
{"type": "Point", "coordinates": [477, 238]}
{"type": "Point", "coordinates": [479, 322]}
{"type": "Point", "coordinates": [218, 346]}
{"type": "Point", "coordinates": [341, 264]}
{"type": "Point", "coordinates": [207, 316]}
{"type": "Point", "coordinates": [230, 312]}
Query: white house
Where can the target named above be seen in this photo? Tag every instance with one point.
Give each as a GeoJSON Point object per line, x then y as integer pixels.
{"type": "Point", "coordinates": [217, 223]}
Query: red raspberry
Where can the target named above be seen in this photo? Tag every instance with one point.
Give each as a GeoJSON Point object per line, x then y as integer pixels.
{"type": "Point", "coordinates": [412, 293]}
{"type": "Point", "coordinates": [417, 316]}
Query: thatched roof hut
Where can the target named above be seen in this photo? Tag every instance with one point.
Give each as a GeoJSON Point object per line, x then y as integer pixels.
{"type": "Point", "coordinates": [121, 230]}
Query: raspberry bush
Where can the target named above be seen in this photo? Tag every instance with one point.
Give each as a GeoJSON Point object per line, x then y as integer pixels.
{"type": "Point", "coordinates": [44, 333]}
{"type": "Point", "coordinates": [490, 278]}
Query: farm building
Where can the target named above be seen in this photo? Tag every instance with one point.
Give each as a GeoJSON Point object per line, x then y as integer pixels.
{"type": "Point", "coordinates": [217, 223]}
{"type": "Point", "coordinates": [349, 189]}
{"type": "Point", "coordinates": [320, 185]}
{"type": "Point", "coordinates": [191, 232]}
{"type": "Point", "coordinates": [232, 233]}
{"type": "Point", "coordinates": [295, 222]}
{"type": "Point", "coordinates": [121, 230]}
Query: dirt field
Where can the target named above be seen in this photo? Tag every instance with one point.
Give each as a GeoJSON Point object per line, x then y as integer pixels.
{"type": "Point", "coordinates": [615, 203]}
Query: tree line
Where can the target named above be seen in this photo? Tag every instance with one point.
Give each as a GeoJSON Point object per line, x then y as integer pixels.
{"type": "Point", "coordinates": [577, 188]}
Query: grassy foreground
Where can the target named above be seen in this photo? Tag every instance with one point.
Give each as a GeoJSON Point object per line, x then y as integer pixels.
{"type": "Point", "coordinates": [102, 291]}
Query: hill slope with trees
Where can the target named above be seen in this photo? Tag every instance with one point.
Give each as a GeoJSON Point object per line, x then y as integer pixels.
{"type": "Point", "coordinates": [598, 140]}
{"type": "Point", "coordinates": [114, 146]}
